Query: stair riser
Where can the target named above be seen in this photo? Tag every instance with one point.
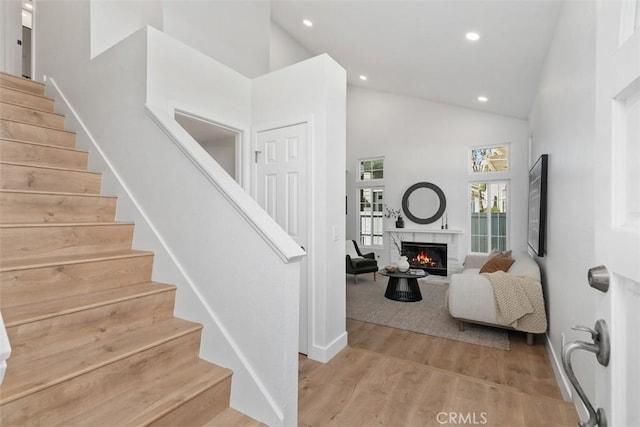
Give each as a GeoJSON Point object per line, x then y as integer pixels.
{"type": "Point", "coordinates": [26, 99]}
{"type": "Point", "coordinates": [18, 177]}
{"type": "Point", "coordinates": [39, 134]}
{"type": "Point", "coordinates": [69, 399]}
{"type": "Point", "coordinates": [30, 242]}
{"type": "Point", "coordinates": [200, 409]}
{"type": "Point", "coordinates": [29, 115]}
{"type": "Point", "coordinates": [21, 84]}
{"type": "Point", "coordinates": [20, 152]}
{"type": "Point", "coordinates": [51, 208]}
{"type": "Point", "coordinates": [62, 332]}
{"type": "Point", "coordinates": [41, 284]}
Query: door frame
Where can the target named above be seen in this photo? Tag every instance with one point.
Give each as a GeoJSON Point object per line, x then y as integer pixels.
{"type": "Point", "coordinates": [11, 17]}
{"type": "Point", "coordinates": [309, 121]}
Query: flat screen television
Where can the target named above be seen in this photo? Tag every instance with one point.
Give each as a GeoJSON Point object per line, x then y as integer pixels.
{"type": "Point", "coordinates": [537, 220]}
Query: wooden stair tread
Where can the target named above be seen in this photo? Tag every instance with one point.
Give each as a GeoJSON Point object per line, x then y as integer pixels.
{"type": "Point", "coordinates": [19, 151]}
{"type": "Point", "coordinates": [55, 193]}
{"type": "Point", "coordinates": [232, 418]}
{"type": "Point", "coordinates": [26, 99]}
{"type": "Point", "coordinates": [30, 114]}
{"type": "Point", "coordinates": [39, 166]}
{"type": "Point", "coordinates": [30, 132]}
{"type": "Point", "coordinates": [27, 313]}
{"type": "Point", "coordinates": [45, 177]}
{"type": "Point", "coordinates": [37, 206]}
{"type": "Point", "coordinates": [38, 262]}
{"type": "Point", "coordinates": [39, 126]}
{"type": "Point", "coordinates": [26, 107]}
{"type": "Point", "coordinates": [27, 85]}
{"type": "Point", "coordinates": [155, 398]}
{"type": "Point", "coordinates": [57, 147]}
{"type": "Point", "coordinates": [27, 376]}
{"type": "Point", "coordinates": [65, 224]}
{"type": "Point", "coordinates": [5, 87]}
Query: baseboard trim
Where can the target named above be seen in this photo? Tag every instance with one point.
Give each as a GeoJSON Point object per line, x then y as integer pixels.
{"type": "Point", "coordinates": [325, 354]}
{"type": "Point", "coordinates": [561, 377]}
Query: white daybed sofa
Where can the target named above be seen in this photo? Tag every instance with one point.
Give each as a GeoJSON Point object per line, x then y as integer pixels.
{"type": "Point", "coordinates": [472, 296]}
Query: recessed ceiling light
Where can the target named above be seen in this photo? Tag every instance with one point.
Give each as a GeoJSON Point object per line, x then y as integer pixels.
{"type": "Point", "coordinates": [307, 22]}
{"type": "Point", "coordinates": [28, 5]}
{"type": "Point", "coordinates": [363, 77]}
{"type": "Point", "coordinates": [472, 36]}
{"type": "Point", "coordinates": [483, 99]}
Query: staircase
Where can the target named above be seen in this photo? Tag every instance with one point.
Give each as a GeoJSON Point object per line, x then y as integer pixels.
{"type": "Point", "coordinates": [94, 341]}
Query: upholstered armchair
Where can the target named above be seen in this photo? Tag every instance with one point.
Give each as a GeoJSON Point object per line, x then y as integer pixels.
{"type": "Point", "coordinates": [357, 263]}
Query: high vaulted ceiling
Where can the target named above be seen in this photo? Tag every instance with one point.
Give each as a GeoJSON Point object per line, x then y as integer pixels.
{"type": "Point", "coordinates": [418, 48]}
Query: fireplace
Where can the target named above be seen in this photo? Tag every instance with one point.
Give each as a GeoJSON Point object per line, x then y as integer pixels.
{"type": "Point", "coordinates": [431, 257]}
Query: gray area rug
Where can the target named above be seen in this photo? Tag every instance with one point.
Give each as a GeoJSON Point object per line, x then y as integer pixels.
{"type": "Point", "coordinates": [366, 302]}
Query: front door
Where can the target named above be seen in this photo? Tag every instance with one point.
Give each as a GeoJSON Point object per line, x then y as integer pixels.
{"type": "Point", "coordinates": [617, 229]}
{"type": "Point", "coordinates": [281, 189]}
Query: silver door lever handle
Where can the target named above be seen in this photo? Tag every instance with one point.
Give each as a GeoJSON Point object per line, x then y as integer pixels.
{"type": "Point", "coordinates": [601, 348]}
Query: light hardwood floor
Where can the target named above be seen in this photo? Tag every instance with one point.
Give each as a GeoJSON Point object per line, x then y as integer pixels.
{"type": "Point", "coordinates": [390, 377]}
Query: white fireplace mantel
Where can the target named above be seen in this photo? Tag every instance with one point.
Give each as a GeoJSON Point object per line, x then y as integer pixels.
{"type": "Point", "coordinates": [425, 230]}
{"type": "Point", "coordinates": [451, 236]}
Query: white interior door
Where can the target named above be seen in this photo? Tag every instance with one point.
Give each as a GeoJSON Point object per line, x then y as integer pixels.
{"type": "Point", "coordinates": [617, 230]}
{"type": "Point", "coordinates": [10, 50]}
{"type": "Point", "coordinates": [281, 189]}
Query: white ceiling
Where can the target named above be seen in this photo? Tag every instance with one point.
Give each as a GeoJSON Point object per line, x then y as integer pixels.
{"type": "Point", "coordinates": [418, 48]}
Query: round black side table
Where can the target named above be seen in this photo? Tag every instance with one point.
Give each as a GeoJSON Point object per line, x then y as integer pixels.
{"type": "Point", "coordinates": [403, 287]}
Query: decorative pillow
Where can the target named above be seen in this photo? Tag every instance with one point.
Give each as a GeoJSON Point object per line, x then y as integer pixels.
{"type": "Point", "coordinates": [499, 254]}
{"type": "Point", "coordinates": [497, 264]}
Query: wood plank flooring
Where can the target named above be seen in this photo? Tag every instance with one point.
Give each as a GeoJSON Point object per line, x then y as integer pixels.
{"type": "Point", "coordinates": [390, 377]}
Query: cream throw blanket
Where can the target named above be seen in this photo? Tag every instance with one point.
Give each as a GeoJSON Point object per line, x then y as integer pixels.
{"type": "Point", "coordinates": [519, 302]}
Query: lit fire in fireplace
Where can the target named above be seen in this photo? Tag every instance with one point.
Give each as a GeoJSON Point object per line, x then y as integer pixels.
{"type": "Point", "coordinates": [423, 259]}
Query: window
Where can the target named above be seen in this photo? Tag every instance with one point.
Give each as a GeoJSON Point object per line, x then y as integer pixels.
{"type": "Point", "coordinates": [371, 201]}
{"type": "Point", "coordinates": [489, 216]}
{"type": "Point", "coordinates": [489, 159]}
{"type": "Point", "coordinates": [371, 169]}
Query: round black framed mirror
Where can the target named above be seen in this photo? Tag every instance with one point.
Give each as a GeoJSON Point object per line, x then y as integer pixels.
{"type": "Point", "coordinates": [424, 203]}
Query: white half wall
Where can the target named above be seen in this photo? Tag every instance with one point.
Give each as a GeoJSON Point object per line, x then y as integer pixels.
{"type": "Point", "coordinates": [422, 140]}
{"type": "Point", "coordinates": [562, 125]}
{"type": "Point", "coordinates": [314, 91]}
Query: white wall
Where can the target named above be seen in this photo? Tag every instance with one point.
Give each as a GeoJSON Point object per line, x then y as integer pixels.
{"type": "Point", "coordinates": [429, 141]}
{"type": "Point", "coordinates": [284, 50]}
{"type": "Point", "coordinates": [562, 125]}
{"type": "Point", "coordinates": [223, 151]}
{"type": "Point", "coordinates": [113, 21]}
{"type": "Point", "coordinates": [315, 91]}
{"type": "Point", "coordinates": [236, 33]}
